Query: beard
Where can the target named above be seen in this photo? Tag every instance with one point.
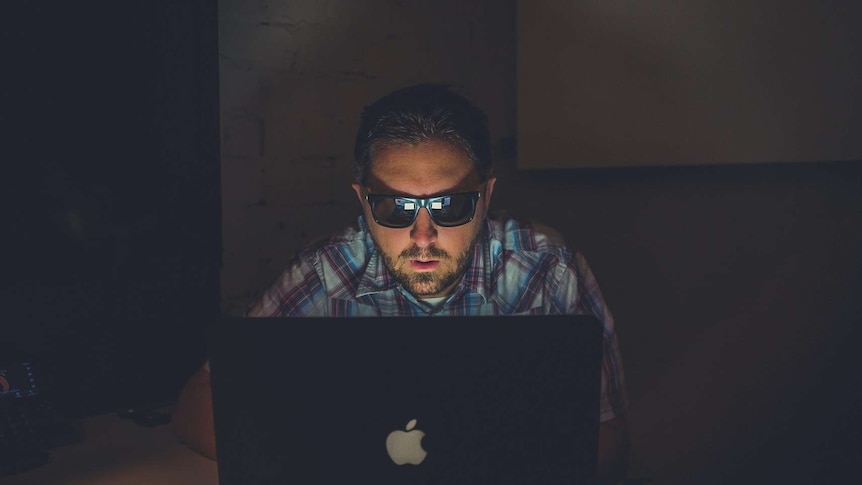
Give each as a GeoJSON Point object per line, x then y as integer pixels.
{"type": "Point", "coordinates": [430, 283]}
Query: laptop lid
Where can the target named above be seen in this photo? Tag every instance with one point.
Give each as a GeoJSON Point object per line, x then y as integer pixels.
{"type": "Point", "coordinates": [406, 400]}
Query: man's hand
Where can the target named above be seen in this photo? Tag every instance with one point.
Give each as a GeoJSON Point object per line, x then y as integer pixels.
{"type": "Point", "coordinates": [613, 451]}
{"type": "Point", "coordinates": [193, 415]}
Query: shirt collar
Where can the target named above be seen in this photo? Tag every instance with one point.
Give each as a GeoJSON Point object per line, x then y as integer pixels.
{"type": "Point", "coordinates": [375, 278]}
{"type": "Point", "coordinates": [477, 278]}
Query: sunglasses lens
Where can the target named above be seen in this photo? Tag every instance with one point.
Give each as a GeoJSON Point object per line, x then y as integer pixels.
{"type": "Point", "coordinates": [393, 211]}
{"type": "Point", "coordinates": [453, 210]}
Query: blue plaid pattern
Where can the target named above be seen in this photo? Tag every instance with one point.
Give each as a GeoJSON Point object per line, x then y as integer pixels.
{"type": "Point", "coordinates": [517, 268]}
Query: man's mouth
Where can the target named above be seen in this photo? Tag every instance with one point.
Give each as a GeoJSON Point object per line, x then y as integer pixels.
{"type": "Point", "coordinates": [422, 266]}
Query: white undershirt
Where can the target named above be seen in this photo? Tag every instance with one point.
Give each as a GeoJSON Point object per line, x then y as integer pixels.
{"type": "Point", "coordinates": [434, 303]}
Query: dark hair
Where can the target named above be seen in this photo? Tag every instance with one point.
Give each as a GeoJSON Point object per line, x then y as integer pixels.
{"type": "Point", "coordinates": [420, 113]}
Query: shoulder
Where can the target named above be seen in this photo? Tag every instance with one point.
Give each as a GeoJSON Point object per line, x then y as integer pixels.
{"type": "Point", "coordinates": [526, 248]}
{"type": "Point", "coordinates": [323, 268]}
{"type": "Point", "coordinates": [509, 234]}
{"type": "Point", "coordinates": [532, 268]}
{"type": "Point", "coordinates": [339, 261]}
{"type": "Point", "coordinates": [351, 244]}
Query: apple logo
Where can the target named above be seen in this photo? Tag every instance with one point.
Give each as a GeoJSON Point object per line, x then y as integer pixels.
{"type": "Point", "coordinates": [405, 446]}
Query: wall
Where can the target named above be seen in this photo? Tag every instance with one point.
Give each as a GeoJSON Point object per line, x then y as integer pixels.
{"type": "Point", "coordinates": [680, 83]}
{"type": "Point", "coordinates": [732, 286]}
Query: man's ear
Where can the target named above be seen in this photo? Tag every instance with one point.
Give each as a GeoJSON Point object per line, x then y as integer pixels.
{"type": "Point", "coordinates": [489, 189]}
{"type": "Point", "coordinates": [358, 189]}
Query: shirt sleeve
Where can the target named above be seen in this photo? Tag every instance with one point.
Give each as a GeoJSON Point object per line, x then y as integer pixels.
{"type": "Point", "coordinates": [582, 295]}
{"type": "Point", "coordinates": [298, 291]}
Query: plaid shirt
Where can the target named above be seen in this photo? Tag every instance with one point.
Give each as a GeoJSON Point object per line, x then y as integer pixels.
{"type": "Point", "coordinates": [517, 268]}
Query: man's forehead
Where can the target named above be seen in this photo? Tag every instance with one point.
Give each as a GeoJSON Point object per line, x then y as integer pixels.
{"type": "Point", "coordinates": [424, 169]}
{"type": "Point", "coordinates": [380, 185]}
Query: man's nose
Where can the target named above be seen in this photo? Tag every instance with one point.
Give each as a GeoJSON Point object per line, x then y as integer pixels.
{"type": "Point", "coordinates": [424, 232]}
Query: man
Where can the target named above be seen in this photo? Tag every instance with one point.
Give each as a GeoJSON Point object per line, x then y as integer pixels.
{"type": "Point", "coordinates": [426, 244]}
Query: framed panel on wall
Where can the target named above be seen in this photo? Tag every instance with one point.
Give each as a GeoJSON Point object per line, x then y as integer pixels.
{"type": "Point", "coordinates": [614, 83]}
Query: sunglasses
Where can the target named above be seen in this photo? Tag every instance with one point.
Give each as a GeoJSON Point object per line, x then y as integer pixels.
{"type": "Point", "coordinates": [398, 212]}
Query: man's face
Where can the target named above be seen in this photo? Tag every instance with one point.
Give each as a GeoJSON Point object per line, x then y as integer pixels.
{"type": "Point", "coordinates": [427, 259]}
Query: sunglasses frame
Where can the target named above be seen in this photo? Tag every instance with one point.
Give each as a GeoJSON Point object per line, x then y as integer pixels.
{"type": "Point", "coordinates": [420, 202]}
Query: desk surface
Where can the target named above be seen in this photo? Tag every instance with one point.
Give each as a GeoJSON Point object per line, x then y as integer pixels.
{"type": "Point", "coordinates": [117, 451]}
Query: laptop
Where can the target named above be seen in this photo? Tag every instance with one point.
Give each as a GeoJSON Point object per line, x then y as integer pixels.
{"type": "Point", "coordinates": [450, 400]}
